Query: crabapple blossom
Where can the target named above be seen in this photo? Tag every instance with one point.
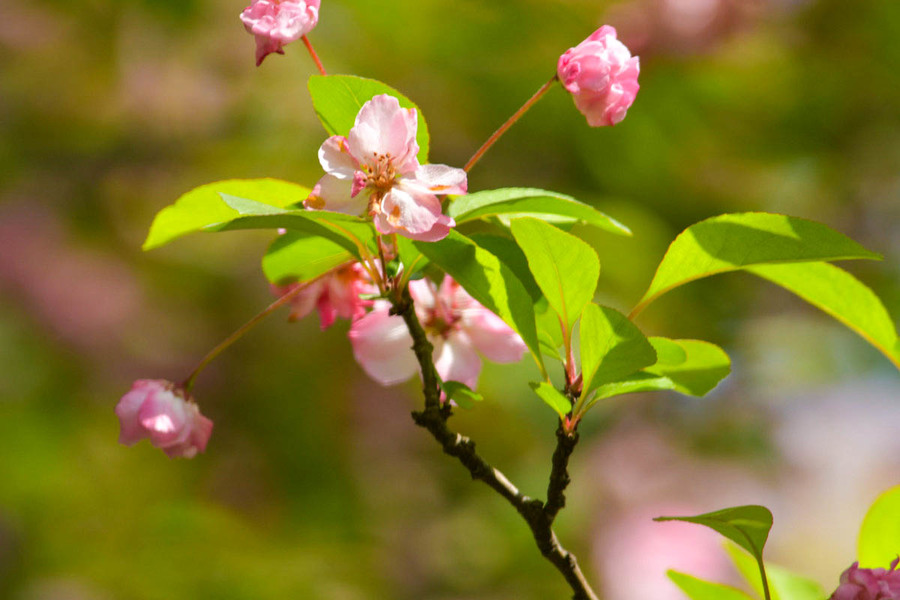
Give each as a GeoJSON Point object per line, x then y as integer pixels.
{"type": "Point", "coordinates": [602, 76]}
{"type": "Point", "coordinates": [275, 23]}
{"type": "Point", "coordinates": [456, 324]}
{"type": "Point", "coordinates": [336, 294]}
{"type": "Point", "coordinates": [374, 171]}
{"type": "Point", "coordinates": [869, 584]}
{"type": "Point", "coordinates": [157, 409]}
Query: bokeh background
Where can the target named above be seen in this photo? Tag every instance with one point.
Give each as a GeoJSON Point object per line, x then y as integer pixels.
{"type": "Point", "coordinates": [316, 485]}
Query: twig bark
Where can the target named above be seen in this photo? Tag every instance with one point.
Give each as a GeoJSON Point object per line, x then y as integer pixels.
{"type": "Point", "coordinates": [538, 515]}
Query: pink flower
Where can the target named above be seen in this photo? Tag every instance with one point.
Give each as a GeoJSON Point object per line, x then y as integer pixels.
{"type": "Point", "coordinates": [869, 584]}
{"type": "Point", "coordinates": [375, 171]}
{"type": "Point", "coordinates": [279, 22]}
{"type": "Point", "coordinates": [156, 409]}
{"type": "Point", "coordinates": [602, 76]}
{"type": "Point", "coordinates": [334, 295]}
{"type": "Point", "coordinates": [457, 326]}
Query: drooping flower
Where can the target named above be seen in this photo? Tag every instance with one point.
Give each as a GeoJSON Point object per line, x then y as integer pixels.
{"type": "Point", "coordinates": [457, 326]}
{"type": "Point", "coordinates": [602, 76]}
{"type": "Point", "coordinates": [156, 409]}
{"type": "Point", "coordinates": [275, 23]}
{"type": "Point", "coordinates": [336, 294]}
{"type": "Point", "coordinates": [869, 584]}
{"type": "Point", "coordinates": [374, 171]}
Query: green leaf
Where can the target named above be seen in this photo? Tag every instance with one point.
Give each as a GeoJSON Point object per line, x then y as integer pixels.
{"type": "Point", "coordinates": [842, 296]}
{"type": "Point", "coordinates": [879, 537]}
{"type": "Point", "coordinates": [705, 365]}
{"type": "Point", "coordinates": [633, 384]}
{"type": "Point", "coordinates": [549, 332]}
{"type": "Point", "coordinates": [553, 397]}
{"type": "Point", "coordinates": [512, 256]}
{"type": "Point", "coordinates": [746, 526]}
{"type": "Point", "coordinates": [611, 347]}
{"type": "Point", "coordinates": [530, 202]}
{"type": "Point", "coordinates": [338, 98]}
{"type": "Point", "coordinates": [564, 267]}
{"type": "Point", "coordinates": [203, 206]}
{"type": "Point", "coordinates": [488, 281]}
{"type": "Point", "coordinates": [302, 257]}
{"type": "Point", "coordinates": [698, 589]}
{"type": "Point", "coordinates": [785, 584]}
{"type": "Point", "coordinates": [736, 241]}
{"type": "Point", "coordinates": [668, 352]}
{"type": "Point", "coordinates": [461, 394]}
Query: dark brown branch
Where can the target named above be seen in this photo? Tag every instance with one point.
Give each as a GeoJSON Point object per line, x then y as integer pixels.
{"type": "Point", "coordinates": [538, 515]}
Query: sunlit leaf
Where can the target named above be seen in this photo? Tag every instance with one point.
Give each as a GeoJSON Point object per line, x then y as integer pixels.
{"type": "Point", "coordinates": [842, 296]}
{"type": "Point", "coordinates": [879, 537]}
{"type": "Point", "coordinates": [785, 585]}
{"type": "Point", "coordinates": [668, 352]}
{"type": "Point", "coordinates": [553, 397]}
{"type": "Point", "coordinates": [512, 256]}
{"type": "Point", "coordinates": [338, 98]}
{"type": "Point", "coordinates": [611, 347]}
{"type": "Point", "coordinates": [564, 267]}
{"type": "Point", "coordinates": [530, 202]}
{"type": "Point", "coordinates": [203, 206]}
{"type": "Point", "coordinates": [699, 589]}
{"type": "Point", "coordinates": [461, 394]}
{"type": "Point", "coordinates": [302, 257]}
{"type": "Point", "coordinates": [705, 365]}
{"type": "Point", "coordinates": [487, 280]}
{"type": "Point", "coordinates": [736, 241]}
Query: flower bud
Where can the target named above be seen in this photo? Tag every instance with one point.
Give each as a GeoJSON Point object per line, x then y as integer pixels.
{"type": "Point", "coordinates": [279, 22]}
{"type": "Point", "coordinates": [602, 76]}
{"type": "Point", "coordinates": [869, 584]}
{"type": "Point", "coordinates": [156, 409]}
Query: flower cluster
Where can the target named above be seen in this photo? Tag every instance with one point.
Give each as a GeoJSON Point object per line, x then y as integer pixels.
{"type": "Point", "coordinates": [375, 171]}
{"type": "Point", "coordinates": [869, 584]}
{"type": "Point", "coordinates": [337, 294]}
{"type": "Point", "coordinates": [602, 76]}
{"type": "Point", "coordinates": [275, 23]}
{"type": "Point", "coordinates": [457, 326]}
{"type": "Point", "coordinates": [158, 410]}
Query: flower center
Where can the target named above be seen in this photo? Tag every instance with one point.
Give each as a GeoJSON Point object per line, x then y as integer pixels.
{"type": "Point", "coordinates": [380, 174]}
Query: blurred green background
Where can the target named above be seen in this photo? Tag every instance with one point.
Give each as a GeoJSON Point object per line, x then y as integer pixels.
{"type": "Point", "coordinates": [316, 484]}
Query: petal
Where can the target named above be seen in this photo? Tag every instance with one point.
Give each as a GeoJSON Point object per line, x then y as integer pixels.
{"type": "Point", "coordinates": [422, 293]}
{"type": "Point", "coordinates": [408, 210]}
{"type": "Point", "coordinates": [492, 336]}
{"type": "Point", "coordinates": [336, 159]}
{"type": "Point", "coordinates": [130, 430]}
{"type": "Point", "coordinates": [438, 231]}
{"type": "Point", "coordinates": [382, 127]}
{"type": "Point", "coordinates": [382, 346]}
{"type": "Point", "coordinates": [331, 193]}
{"type": "Point", "coordinates": [163, 415]}
{"type": "Point", "coordinates": [456, 360]}
{"type": "Point", "coordinates": [441, 179]}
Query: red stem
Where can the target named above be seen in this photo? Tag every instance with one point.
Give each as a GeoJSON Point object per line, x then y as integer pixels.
{"type": "Point", "coordinates": [315, 56]}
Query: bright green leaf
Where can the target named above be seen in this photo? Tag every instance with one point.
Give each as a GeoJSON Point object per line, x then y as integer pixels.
{"type": "Point", "coordinates": [338, 98]}
{"type": "Point", "coordinates": [879, 537]}
{"type": "Point", "coordinates": [842, 296]}
{"type": "Point", "coordinates": [611, 347]}
{"type": "Point", "coordinates": [785, 585]}
{"type": "Point", "coordinates": [704, 367]}
{"type": "Point", "coordinates": [461, 394]}
{"type": "Point", "coordinates": [489, 281]}
{"type": "Point", "coordinates": [698, 589]}
{"type": "Point", "coordinates": [668, 352]}
{"type": "Point", "coordinates": [530, 202]}
{"type": "Point", "coordinates": [549, 332]}
{"type": "Point", "coordinates": [746, 526]}
{"type": "Point", "coordinates": [564, 267]}
{"type": "Point", "coordinates": [512, 256]}
{"type": "Point", "coordinates": [736, 241]}
{"type": "Point", "coordinates": [203, 206]}
{"type": "Point", "coordinates": [633, 384]}
{"type": "Point", "coordinates": [553, 397]}
{"type": "Point", "coordinates": [302, 257]}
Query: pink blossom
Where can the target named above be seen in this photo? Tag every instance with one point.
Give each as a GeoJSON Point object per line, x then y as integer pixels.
{"type": "Point", "coordinates": [156, 409]}
{"type": "Point", "coordinates": [457, 326]}
{"type": "Point", "coordinates": [279, 22]}
{"type": "Point", "coordinates": [374, 170]}
{"type": "Point", "coordinates": [336, 294]}
{"type": "Point", "coordinates": [869, 584]}
{"type": "Point", "coordinates": [602, 76]}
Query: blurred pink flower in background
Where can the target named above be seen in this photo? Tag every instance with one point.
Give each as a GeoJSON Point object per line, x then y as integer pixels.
{"type": "Point", "coordinates": [279, 22]}
{"type": "Point", "coordinates": [374, 170]}
{"type": "Point", "coordinates": [155, 409]}
{"type": "Point", "coordinates": [336, 294]}
{"type": "Point", "coordinates": [869, 584]}
{"type": "Point", "coordinates": [602, 76]}
{"type": "Point", "coordinates": [457, 326]}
